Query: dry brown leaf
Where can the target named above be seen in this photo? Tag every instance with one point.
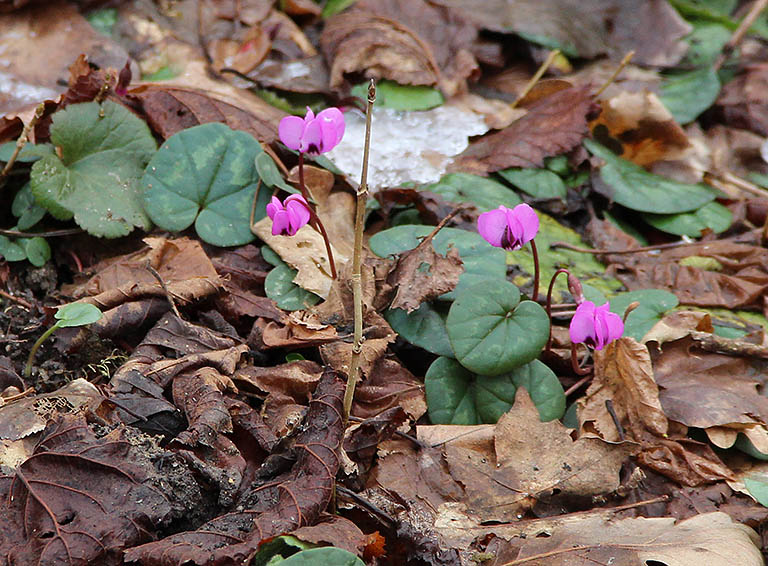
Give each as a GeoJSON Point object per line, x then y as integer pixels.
{"type": "Point", "coordinates": [389, 384]}
{"type": "Point", "coordinates": [306, 253]}
{"type": "Point", "coordinates": [378, 335]}
{"type": "Point", "coordinates": [527, 462]}
{"type": "Point", "coordinates": [553, 125]}
{"type": "Point", "coordinates": [642, 126]}
{"type": "Point", "coordinates": [743, 102]}
{"type": "Point", "coordinates": [624, 376]}
{"type": "Point", "coordinates": [333, 530]}
{"type": "Point", "coordinates": [408, 41]}
{"type": "Point", "coordinates": [653, 29]}
{"type": "Point", "coordinates": [712, 539]}
{"type": "Point", "coordinates": [422, 274]}
{"type": "Point", "coordinates": [293, 379]}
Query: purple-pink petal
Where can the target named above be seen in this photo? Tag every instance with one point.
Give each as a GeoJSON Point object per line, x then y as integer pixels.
{"type": "Point", "coordinates": [273, 206]}
{"type": "Point", "coordinates": [280, 223]}
{"type": "Point", "coordinates": [529, 222]}
{"type": "Point", "coordinates": [582, 328]}
{"type": "Point", "coordinates": [332, 124]}
{"type": "Point", "coordinates": [298, 213]}
{"type": "Point", "coordinates": [492, 224]}
{"type": "Point", "coordinates": [290, 130]}
{"type": "Point", "coordinates": [312, 138]}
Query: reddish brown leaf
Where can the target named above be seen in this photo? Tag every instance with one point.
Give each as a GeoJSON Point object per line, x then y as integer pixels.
{"type": "Point", "coordinates": [389, 384]}
{"type": "Point", "coordinates": [362, 442]}
{"type": "Point", "coordinates": [79, 499]}
{"type": "Point", "coordinates": [409, 41]}
{"type": "Point", "coordinates": [200, 395]}
{"type": "Point", "coordinates": [743, 102]}
{"type": "Point", "coordinates": [554, 125]}
{"type": "Point", "coordinates": [293, 379]}
{"type": "Point", "coordinates": [275, 505]}
{"type": "Point", "coordinates": [333, 530]}
{"type": "Point", "coordinates": [170, 109]}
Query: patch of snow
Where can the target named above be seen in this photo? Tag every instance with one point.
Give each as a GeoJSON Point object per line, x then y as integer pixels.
{"type": "Point", "coordinates": [405, 146]}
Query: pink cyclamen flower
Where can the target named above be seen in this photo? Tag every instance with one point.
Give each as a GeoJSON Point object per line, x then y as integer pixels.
{"type": "Point", "coordinates": [595, 326]}
{"type": "Point", "coordinates": [509, 228]}
{"type": "Point", "coordinates": [289, 216]}
{"type": "Point", "coordinates": [312, 134]}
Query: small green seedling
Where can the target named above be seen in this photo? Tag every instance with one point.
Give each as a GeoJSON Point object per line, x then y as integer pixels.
{"type": "Point", "coordinates": [73, 314]}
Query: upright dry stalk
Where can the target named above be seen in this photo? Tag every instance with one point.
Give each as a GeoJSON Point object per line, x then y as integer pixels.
{"type": "Point", "coordinates": [357, 282]}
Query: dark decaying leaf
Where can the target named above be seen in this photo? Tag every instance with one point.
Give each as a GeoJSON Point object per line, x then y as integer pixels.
{"type": "Point", "coordinates": [362, 442]}
{"type": "Point", "coordinates": [423, 274]}
{"type": "Point", "coordinates": [170, 109]}
{"type": "Point", "coordinates": [200, 395]}
{"type": "Point", "coordinates": [408, 41]}
{"type": "Point", "coordinates": [553, 125]}
{"type": "Point", "coordinates": [743, 102]}
{"type": "Point", "coordinates": [273, 505]}
{"type": "Point", "coordinates": [653, 29]}
{"type": "Point", "coordinates": [389, 384]}
{"type": "Point", "coordinates": [431, 206]}
{"type": "Point", "coordinates": [79, 499]}
{"type": "Point", "coordinates": [334, 530]}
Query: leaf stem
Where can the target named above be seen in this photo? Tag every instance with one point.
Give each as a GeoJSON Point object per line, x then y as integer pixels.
{"type": "Point", "coordinates": [22, 141]}
{"type": "Point", "coordinates": [314, 218]}
{"type": "Point", "coordinates": [549, 305]}
{"type": "Point", "coordinates": [36, 347]}
{"type": "Point", "coordinates": [356, 278]}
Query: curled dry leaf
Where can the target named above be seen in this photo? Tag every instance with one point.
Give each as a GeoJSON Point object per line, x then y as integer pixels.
{"type": "Point", "coordinates": [389, 384]}
{"type": "Point", "coordinates": [422, 274]}
{"type": "Point", "coordinates": [199, 394]}
{"type": "Point", "coordinates": [273, 505]}
{"type": "Point", "coordinates": [743, 102]}
{"type": "Point", "coordinates": [641, 125]}
{"type": "Point", "coordinates": [553, 125]}
{"type": "Point", "coordinates": [408, 41]}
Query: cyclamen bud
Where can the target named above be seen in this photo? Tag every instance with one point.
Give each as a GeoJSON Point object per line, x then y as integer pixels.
{"type": "Point", "coordinates": [574, 286]}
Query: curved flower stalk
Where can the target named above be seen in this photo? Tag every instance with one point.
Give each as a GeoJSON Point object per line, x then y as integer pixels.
{"type": "Point", "coordinates": [511, 229]}
{"type": "Point", "coordinates": [312, 135]}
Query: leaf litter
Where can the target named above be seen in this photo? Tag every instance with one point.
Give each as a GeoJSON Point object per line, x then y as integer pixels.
{"type": "Point", "coordinates": [199, 421]}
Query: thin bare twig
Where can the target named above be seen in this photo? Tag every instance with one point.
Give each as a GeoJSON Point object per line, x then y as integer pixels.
{"type": "Point", "coordinates": [22, 141]}
{"type": "Point", "coordinates": [740, 32]}
{"type": "Point", "coordinates": [536, 77]}
{"type": "Point", "coordinates": [623, 63]}
{"type": "Point", "coordinates": [15, 299]}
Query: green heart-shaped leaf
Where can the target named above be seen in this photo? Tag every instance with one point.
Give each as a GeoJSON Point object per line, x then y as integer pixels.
{"type": "Point", "coordinates": [323, 556]}
{"type": "Point", "coordinates": [482, 262]}
{"type": "Point", "coordinates": [486, 194]}
{"type": "Point", "coordinates": [206, 175]}
{"type": "Point", "coordinates": [424, 327]}
{"type": "Point", "coordinates": [653, 304]}
{"type": "Point", "coordinates": [539, 183]}
{"type": "Point", "coordinates": [457, 396]}
{"type": "Point", "coordinates": [712, 215]}
{"type": "Point", "coordinates": [636, 188]}
{"type": "Point", "coordinates": [104, 148]}
{"type": "Point", "coordinates": [492, 332]}
{"type": "Point", "coordinates": [10, 250]}
{"type": "Point", "coordinates": [77, 314]}
{"type": "Point", "coordinates": [26, 209]}
{"type": "Point", "coordinates": [37, 250]}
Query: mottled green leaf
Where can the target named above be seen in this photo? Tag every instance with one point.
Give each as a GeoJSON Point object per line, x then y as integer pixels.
{"type": "Point", "coordinates": [484, 193]}
{"type": "Point", "coordinates": [654, 303]}
{"type": "Point", "coordinates": [539, 183]}
{"type": "Point", "coordinates": [688, 94]}
{"type": "Point", "coordinates": [713, 216]}
{"type": "Point", "coordinates": [424, 327]}
{"type": "Point", "coordinates": [206, 175]}
{"type": "Point", "coordinates": [390, 94]}
{"type": "Point", "coordinates": [637, 189]}
{"type": "Point", "coordinates": [492, 331]}
{"type": "Point", "coordinates": [104, 148]}
{"type": "Point", "coordinates": [279, 287]}
{"type": "Point", "coordinates": [457, 396]}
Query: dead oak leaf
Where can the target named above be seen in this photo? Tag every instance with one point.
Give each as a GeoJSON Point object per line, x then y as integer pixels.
{"type": "Point", "coordinates": [423, 274]}
{"type": "Point", "coordinates": [553, 125]}
{"type": "Point", "coordinates": [408, 41]}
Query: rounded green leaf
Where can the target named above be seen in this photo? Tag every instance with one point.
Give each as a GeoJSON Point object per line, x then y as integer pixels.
{"type": "Point", "coordinates": [11, 250]}
{"type": "Point", "coordinates": [450, 393]}
{"type": "Point", "coordinates": [77, 314]}
{"type": "Point", "coordinates": [26, 209]}
{"type": "Point", "coordinates": [496, 394]}
{"type": "Point", "coordinates": [486, 194]}
{"type": "Point", "coordinates": [270, 174]}
{"type": "Point", "coordinates": [713, 216]}
{"type": "Point", "coordinates": [636, 188]}
{"type": "Point", "coordinates": [653, 304]}
{"type": "Point", "coordinates": [324, 556]}
{"type": "Point", "coordinates": [104, 148]}
{"type": "Point", "coordinates": [37, 250]}
{"type": "Point", "coordinates": [492, 332]}
{"type": "Point", "coordinates": [687, 95]}
{"type": "Point", "coordinates": [457, 396]}
{"type": "Point", "coordinates": [539, 183]}
{"type": "Point", "coordinates": [279, 287]}
{"type": "Point", "coordinates": [424, 327]}
{"type": "Point", "coordinates": [206, 175]}
{"type": "Point", "coordinates": [482, 262]}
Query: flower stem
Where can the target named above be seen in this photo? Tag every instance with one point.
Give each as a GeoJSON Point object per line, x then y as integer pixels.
{"type": "Point", "coordinates": [357, 285]}
{"type": "Point", "coordinates": [314, 218]}
{"type": "Point", "coordinates": [35, 348]}
{"type": "Point", "coordinates": [549, 304]}
{"type": "Point", "coordinates": [578, 370]}
{"type": "Point", "coordinates": [535, 296]}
